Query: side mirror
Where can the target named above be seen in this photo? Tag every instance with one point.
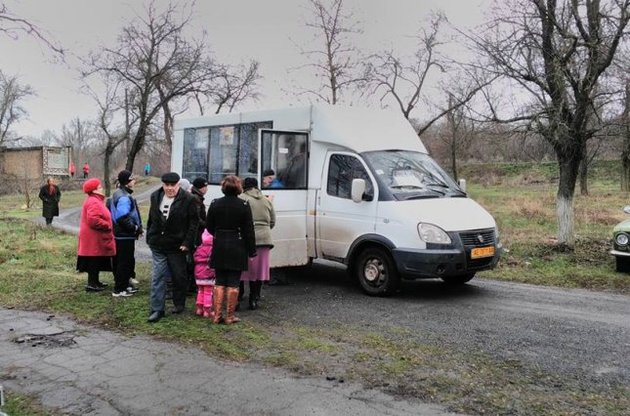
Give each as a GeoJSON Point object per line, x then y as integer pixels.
{"type": "Point", "coordinates": [358, 189]}
{"type": "Point", "coordinates": [626, 209]}
{"type": "Point", "coordinates": [462, 184]}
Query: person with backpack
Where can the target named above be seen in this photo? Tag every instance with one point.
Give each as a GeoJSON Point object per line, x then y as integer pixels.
{"type": "Point", "coordinates": [127, 229]}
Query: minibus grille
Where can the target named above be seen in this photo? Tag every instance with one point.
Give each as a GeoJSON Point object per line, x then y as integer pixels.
{"type": "Point", "coordinates": [478, 238]}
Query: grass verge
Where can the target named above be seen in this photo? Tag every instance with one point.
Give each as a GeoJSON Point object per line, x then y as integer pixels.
{"type": "Point", "coordinates": [37, 273]}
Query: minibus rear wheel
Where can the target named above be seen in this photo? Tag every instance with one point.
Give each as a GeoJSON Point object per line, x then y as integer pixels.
{"type": "Point", "coordinates": [376, 272]}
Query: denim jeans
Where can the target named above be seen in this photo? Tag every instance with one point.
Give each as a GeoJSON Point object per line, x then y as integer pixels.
{"type": "Point", "coordinates": [163, 265]}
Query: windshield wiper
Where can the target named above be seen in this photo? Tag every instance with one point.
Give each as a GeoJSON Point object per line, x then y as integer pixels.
{"type": "Point", "coordinates": [406, 186]}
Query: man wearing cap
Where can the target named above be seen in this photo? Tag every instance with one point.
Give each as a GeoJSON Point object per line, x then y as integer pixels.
{"type": "Point", "coordinates": [171, 234]}
{"type": "Point", "coordinates": [127, 229]}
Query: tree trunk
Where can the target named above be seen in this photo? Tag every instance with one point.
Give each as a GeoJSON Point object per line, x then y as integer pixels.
{"type": "Point", "coordinates": [569, 167]}
{"type": "Point", "coordinates": [454, 161]}
{"type": "Point", "coordinates": [136, 146]}
{"type": "Point", "coordinates": [625, 172]}
{"type": "Point", "coordinates": [584, 177]}
{"type": "Point", "coordinates": [106, 162]}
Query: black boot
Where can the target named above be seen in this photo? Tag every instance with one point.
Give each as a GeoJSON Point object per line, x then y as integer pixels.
{"type": "Point", "coordinates": [254, 294]}
{"type": "Point", "coordinates": [241, 292]}
{"type": "Point", "coordinates": [93, 285]}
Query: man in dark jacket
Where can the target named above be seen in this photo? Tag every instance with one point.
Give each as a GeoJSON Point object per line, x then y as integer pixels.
{"type": "Point", "coordinates": [171, 234]}
{"type": "Point", "coordinates": [127, 229]}
{"type": "Point", "coordinates": [199, 189]}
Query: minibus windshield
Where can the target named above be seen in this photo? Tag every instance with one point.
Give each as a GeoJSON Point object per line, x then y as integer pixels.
{"type": "Point", "coordinates": [411, 175]}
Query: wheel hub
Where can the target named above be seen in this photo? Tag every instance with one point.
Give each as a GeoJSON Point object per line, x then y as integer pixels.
{"type": "Point", "coordinates": [373, 270]}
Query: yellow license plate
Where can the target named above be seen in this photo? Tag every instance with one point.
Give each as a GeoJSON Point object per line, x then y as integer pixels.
{"type": "Point", "coordinates": [479, 252]}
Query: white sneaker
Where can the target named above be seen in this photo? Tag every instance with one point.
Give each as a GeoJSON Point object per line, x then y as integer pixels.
{"type": "Point", "coordinates": [132, 290]}
{"type": "Point", "coordinates": [122, 294]}
{"type": "Point", "coordinates": [133, 282]}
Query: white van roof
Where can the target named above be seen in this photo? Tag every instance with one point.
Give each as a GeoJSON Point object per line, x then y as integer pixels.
{"type": "Point", "coordinates": [355, 128]}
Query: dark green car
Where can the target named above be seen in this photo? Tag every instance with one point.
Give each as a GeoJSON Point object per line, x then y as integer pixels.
{"type": "Point", "coordinates": [621, 243]}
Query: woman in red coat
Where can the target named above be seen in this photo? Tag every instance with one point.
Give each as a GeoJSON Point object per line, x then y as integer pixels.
{"type": "Point", "coordinates": [96, 238]}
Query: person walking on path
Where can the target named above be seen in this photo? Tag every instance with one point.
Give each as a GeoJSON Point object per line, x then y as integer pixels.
{"type": "Point", "coordinates": [127, 229]}
{"type": "Point", "coordinates": [264, 217]}
{"type": "Point", "coordinates": [147, 169]}
{"type": "Point", "coordinates": [72, 169]}
{"type": "Point", "coordinates": [204, 276]}
{"type": "Point", "coordinates": [171, 233]}
{"type": "Point", "coordinates": [229, 220]}
{"type": "Point", "coordinates": [96, 246]}
{"type": "Point", "coordinates": [50, 196]}
{"type": "Point", "coordinates": [86, 170]}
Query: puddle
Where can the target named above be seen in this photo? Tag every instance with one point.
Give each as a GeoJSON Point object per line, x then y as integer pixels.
{"type": "Point", "coordinates": [63, 339]}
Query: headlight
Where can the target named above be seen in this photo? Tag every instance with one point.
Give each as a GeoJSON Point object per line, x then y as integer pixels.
{"type": "Point", "coordinates": [621, 239]}
{"type": "Point", "coordinates": [430, 233]}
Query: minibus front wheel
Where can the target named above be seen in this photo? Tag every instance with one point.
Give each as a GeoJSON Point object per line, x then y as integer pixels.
{"type": "Point", "coordinates": [377, 272]}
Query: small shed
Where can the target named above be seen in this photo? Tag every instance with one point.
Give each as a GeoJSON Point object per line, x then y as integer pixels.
{"type": "Point", "coordinates": [35, 162]}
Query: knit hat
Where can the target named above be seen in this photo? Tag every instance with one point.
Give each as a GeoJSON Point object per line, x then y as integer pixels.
{"type": "Point", "coordinates": [90, 185]}
{"type": "Point", "coordinates": [250, 183]}
{"type": "Point", "coordinates": [200, 182]}
{"type": "Point", "coordinates": [268, 172]}
{"type": "Point", "coordinates": [124, 177]}
{"type": "Point", "coordinates": [171, 177]}
{"type": "Point", "coordinates": [184, 184]}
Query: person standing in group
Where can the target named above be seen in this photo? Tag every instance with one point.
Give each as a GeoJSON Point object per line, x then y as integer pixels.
{"type": "Point", "coordinates": [72, 169]}
{"type": "Point", "coordinates": [86, 170]}
{"type": "Point", "coordinates": [199, 189]}
{"type": "Point", "coordinates": [127, 229]}
{"type": "Point", "coordinates": [264, 217]}
{"type": "Point", "coordinates": [171, 233]}
{"type": "Point", "coordinates": [96, 246]}
{"type": "Point", "coordinates": [50, 196]}
{"type": "Point", "coordinates": [229, 220]}
{"type": "Point", "coordinates": [204, 276]}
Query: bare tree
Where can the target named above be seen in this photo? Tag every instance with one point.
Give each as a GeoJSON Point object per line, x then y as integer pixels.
{"type": "Point", "coordinates": [460, 132]}
{"type": "Point", "coordinates": [336, 64]}
{"type": "Point", "coordinates": [405, 80]}
{"type": "Point", "coordinates": [78, 135]}
{"type": "Point", "coordinates": [231, 86]}
{"type": "Point", "coordinates": [557, 51]}
{"type": "Point", "coordinates": [625, 133]}
{"type": "Point", "coordinates": [12, 93]}
{"type": "Point", "coordinates": [155, 63]}
{"type": "Point", "coordinates": [12, 26]}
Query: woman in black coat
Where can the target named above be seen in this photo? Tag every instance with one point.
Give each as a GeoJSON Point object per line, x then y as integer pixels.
{"type": "Point", "coordinates": [50, 196]}
{"type": "Point", "coordinates": [229, 220]}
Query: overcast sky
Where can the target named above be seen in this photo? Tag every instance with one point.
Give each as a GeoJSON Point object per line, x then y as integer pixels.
{"type": "Point", "coordinates": [238, 30]}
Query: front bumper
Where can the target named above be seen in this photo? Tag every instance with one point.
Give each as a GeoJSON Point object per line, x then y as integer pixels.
{"type": "Point", "coordinates": [436, 263]}
{"type": "Point", "coordinates": [618, 253]}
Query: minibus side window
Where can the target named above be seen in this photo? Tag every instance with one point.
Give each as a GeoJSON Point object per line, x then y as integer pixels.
{"type": "Point", "coordinates": [195, 162]}
{"type": "Point", "coordinates": [342, 169]}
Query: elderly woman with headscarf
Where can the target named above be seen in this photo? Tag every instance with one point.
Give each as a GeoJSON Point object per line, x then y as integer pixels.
{"type": "Point", "coordinates": [96, 247]}
{"type": "Point", "coordinates": [264, 218]}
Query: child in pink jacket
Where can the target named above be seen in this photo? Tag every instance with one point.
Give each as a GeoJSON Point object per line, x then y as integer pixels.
{"type": "Point", "coordinates": [204, 276]}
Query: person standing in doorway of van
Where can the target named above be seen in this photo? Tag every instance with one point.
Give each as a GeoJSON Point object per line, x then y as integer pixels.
{"type": "Point", "coordinates": [50, 196]}
{"type": "Point", "coordinates": [127, 229]}
{"type": "Point", "coordinates": [171, 233]}
{"type": "Point", "coordinates": [72, 169]}
{"type": "Point", "coordinates": [86, 170]}
{"type": "Point", "coordinates": [96, 246]}
{"type": "Point", "coordinates": [229, 220]}
{"type": "Point", "coordinates": [264, 218]}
